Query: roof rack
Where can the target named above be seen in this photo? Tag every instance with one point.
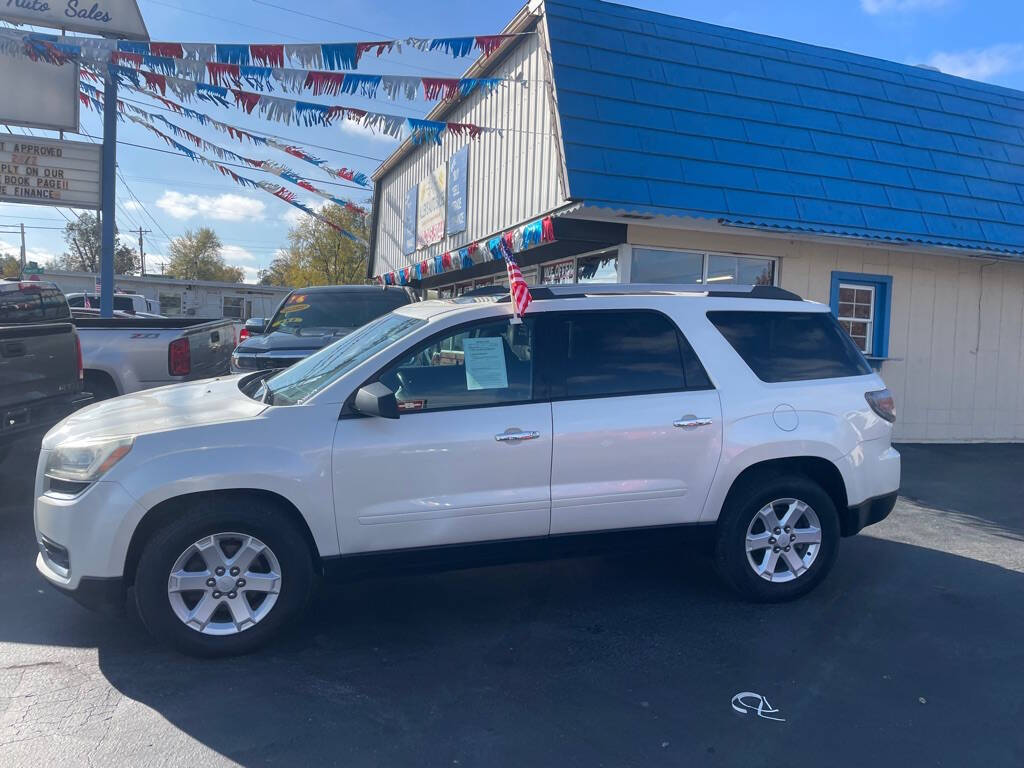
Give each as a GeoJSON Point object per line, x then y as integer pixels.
{"type": "Point", "coordinates": [576, 291]}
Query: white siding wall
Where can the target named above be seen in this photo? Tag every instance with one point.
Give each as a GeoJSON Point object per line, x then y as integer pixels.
{"type": "Point", "coordinates": [512, 177]}
{"type": "Point", "coordinates": [955, 333]}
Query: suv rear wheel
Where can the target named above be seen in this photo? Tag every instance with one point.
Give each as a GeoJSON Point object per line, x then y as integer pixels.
{"type": "Point", "coordinates": [224, 577]}
{"type": "Point", "coordinates": [777, 538]}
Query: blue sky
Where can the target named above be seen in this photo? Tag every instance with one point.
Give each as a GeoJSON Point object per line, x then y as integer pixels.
{"type": "Point", "coordinates": [982, 39]}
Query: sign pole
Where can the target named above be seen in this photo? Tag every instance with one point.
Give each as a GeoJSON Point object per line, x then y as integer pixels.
{"type": "Point", "coordinates": [109, 191]}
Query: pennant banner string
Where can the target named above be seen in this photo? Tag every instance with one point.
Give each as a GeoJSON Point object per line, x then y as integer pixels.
{"type": "Point", "coordinates": [280, 109]}
{"type": "Point", "coordinates": [277, 191]}
{"type": "Point", "coordinates": [332, 56]}
{"type": "Point", "coordinates": [318, 82]}
{"type": "Point", "coordinates": [93, 98]}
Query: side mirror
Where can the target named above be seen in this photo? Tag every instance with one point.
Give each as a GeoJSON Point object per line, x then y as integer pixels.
{"type": "Point", "coordinates": [376, 400]}
{"type": "Point", "coordinates": [256, 325]}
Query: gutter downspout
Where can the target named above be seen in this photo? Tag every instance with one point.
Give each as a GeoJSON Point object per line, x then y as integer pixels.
{"type": "Point", "coordinates": [374, 216]}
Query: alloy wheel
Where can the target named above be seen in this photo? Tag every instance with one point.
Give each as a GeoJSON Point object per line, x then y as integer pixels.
{"type": "Point", "coordinates": [783, 540]}
{"type": "Point", "coordinates": [224, 584]}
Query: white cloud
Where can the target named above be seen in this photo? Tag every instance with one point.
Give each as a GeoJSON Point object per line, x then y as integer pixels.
{"type": "Point", "coordinates": [234, 253]}
{"type": "Point", "coordinates": [876, 7]}
{"type": "Point", "coordinates": [221, 207]}
{"type": "Point", "coordinates": [38, 255]}
{"type": "Point", "coordinates": [251, 274]}
{"type": "Point", "coordinates": [981, 63]}
{"type": "Point", "coordinates": [357, 129]}
{"type": "Point", "coordinates": [131, 205]}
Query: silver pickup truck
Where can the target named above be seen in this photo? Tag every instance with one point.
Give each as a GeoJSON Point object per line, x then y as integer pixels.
{"type": "Point", "coordinates": [125, 354]}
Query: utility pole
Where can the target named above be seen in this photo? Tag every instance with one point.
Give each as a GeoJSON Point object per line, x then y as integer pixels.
{"type": "Point", "coordinates": [142, 253]}
{"type": "Point", "coordinates": [22, 274]}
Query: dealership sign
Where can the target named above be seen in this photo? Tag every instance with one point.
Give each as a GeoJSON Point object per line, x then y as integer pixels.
{"type": "Point", "coordinates": [49, 172]}
{"type": "Point", "coordinates": [110, 18]}
{"type": "Point", "coordinates": [430, 208]}
{"type": "Point", "coordinates": [36, 94]}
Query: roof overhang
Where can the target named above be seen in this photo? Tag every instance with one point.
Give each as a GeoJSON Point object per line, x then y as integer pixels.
{"type": "Point", "coordinates": [785, 231]}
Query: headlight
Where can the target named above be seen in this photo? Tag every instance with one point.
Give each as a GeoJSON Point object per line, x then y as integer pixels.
{"type": "Point", "coordinates": [87, 460]}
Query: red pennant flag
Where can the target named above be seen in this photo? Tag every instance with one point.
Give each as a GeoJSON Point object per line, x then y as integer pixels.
{"type": "Point", "coordinates": [380, 45]}
{"type": "Point", "coordinates": [267, 55]}
{"type": "Point", "coordinates": [246, 99]}
{"type": "Point", "coordinates": [167, 49]}
{"type": "Point", "coordinates": [488, 44]}
{"type": "Point", "coordinates": [155, 81]}
{"type": "Point", "coordinates": [222, 74]}
{"type": "Point", "coordinates": [434, 87]}
{"type": "Point", "coordinates": [321, 83]}
{"type": "Point", "coordinates": [547, 232]}
{"type": "Point", "coordinates": [446, 260]}
{"type": "Point", "coordinates": [123, 57]}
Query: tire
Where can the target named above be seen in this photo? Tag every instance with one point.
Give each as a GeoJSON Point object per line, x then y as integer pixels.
{"type": "Point", "coordinates": [229, 527]}
{"type": "Point", "coordinates": [737, 522]}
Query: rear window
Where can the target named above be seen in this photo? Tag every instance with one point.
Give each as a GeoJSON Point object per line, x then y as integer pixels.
{"type": "Point", "coordinates": [791, 346]}
{"type": "Point", "coordinates": [626, 353]}
{"type": "Point", "coordinates": [32, 303]}
{"type": "Point", "coordinates": [304, 312]}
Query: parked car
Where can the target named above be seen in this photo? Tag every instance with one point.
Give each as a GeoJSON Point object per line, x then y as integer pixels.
{"type": "Point", "coordinates": [132, 303]}
{"type": "Point", "coordinates": [40, 360]}
{"type": "Point", "coordinates": [127, 353]}
{"type": "Point", "coordinates": [308, 320]}
{"type": "Point", "coordinates": [442, 434]}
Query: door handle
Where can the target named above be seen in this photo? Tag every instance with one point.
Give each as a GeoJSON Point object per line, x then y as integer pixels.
{"type": "Point", "coordinates": [689, 421]}
{"type": "Point", "coordinates": [515, 436]}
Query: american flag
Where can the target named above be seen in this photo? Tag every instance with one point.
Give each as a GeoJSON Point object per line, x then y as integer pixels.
{"type": "Point", "coordinates": [521, 297]}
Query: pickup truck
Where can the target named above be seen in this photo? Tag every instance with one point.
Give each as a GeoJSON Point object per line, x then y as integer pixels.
{"type": "Point", "coordinates": [40, 360]}
{"type": "Point", "coordinates": [132, 303]}
{"type": "Point", "coordinates": [124, 354]}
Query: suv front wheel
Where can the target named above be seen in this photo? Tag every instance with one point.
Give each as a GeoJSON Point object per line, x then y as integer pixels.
{"type": "Point", "coordinates": [224, 577]}
{"type": "Point", "coordinates": [777, 538]}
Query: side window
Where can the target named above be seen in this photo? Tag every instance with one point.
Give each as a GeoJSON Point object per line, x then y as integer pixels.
{"type": "Point", "coordinates": [626, 353]}
{"type": "Point", "coordinates": [486, 364]}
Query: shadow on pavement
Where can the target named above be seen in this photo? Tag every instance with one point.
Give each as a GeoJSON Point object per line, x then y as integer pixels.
{"type": "Point", "coordinates": [905, 656]}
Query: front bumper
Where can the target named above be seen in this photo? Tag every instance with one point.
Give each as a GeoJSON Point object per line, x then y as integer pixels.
{"type": "Point", "coordinates": [94, 529]}
{"type": "Point", "coordinates": [96, 594]}
{"type": "Point", "coordinates": [39, 416]}
{"type": "Point", "coordinates": [868, 512]}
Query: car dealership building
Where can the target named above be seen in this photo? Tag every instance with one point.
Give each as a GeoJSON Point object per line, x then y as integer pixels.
{"type": "Point", "coordinates": [656, 149]}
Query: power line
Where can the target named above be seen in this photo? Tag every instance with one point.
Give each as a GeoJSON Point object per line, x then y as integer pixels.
{"type": "Point", "coordinates": [232, 22]}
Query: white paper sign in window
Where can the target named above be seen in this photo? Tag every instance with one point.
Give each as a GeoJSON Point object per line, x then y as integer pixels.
{"type": "Point", "coordinates": [485, 363]}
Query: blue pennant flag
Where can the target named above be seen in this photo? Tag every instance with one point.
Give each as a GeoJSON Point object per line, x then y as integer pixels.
{"type": "Point", "coordinates": [425, 130]}
{"type": "Point", "coordinates": [361, 85]}
{"type": "Point", "coordinates": [311, 114]}
{"type": "Point", "coordinates": [532, 233]}
{"type": "Point", "coordinates": [438, 264]}
{"type": "Point", "coordinates": [133, 47]}
{"type": "Point", "coordinates": [163, 64]}
{"type": "Point", "coordinates": [232, 54]}
{"type": "Point", "coordinates": [339, 55]}
{"type": "Point", "coordinates": [214, 93]}
{"type": "Point", "coordinates": [456, 46]}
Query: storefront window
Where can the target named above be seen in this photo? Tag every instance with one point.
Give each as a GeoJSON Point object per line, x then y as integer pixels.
{"type": "Point", "coordinates": [654, 265]}
{"type": "Point", "coordinates": [744, 270]}
{"type": "Point", "coordinates": [558, 273]}
{"type": "Point", "coordinates": [602, 268]}
{"type": "Point", "coordinates": [170, 304]}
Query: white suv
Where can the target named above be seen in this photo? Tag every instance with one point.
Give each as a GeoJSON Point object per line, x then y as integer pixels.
{"type": "Point", "coordinates": [445, 433]}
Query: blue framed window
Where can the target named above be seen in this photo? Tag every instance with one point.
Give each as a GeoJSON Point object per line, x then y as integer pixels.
{"type": "Point", "coordinates": [862, 303]}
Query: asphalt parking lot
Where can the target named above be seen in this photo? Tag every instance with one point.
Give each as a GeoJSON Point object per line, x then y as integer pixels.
{"type": "Point", "coordinates": [910, 654]}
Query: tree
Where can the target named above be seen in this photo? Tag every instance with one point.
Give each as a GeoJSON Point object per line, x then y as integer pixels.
{"type": "Point", "coordinates": [10, 266]}
{"type": "Point", "coordinates": [84, 241]}
{"type": "Point", "coordinates": [196, 256]}
{"type": "Point", "coordinates": [320, 255]}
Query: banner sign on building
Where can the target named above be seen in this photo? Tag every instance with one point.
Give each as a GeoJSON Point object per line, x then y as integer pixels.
{"type": "Point", "coordinates": [409, 221]}
{"type": "Point", "coordinates": [430, 213]}
{"type": "Point", "coordinates": [457, 181]}
{"type": "Point", "coordinates": [49, 172]}
{"type": "Point", "coordinates": [109, 18]}
{"type": "Point", "coordinates": [36, 94]}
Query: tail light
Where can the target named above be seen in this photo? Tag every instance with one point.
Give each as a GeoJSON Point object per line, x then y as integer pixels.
{"type": "Point", "coordinates": [78, 354]}
{"type": "Point", "coordinates": [881, 402]}
{"type": "Point", "coordinates": [243, 335]}
{"type": "Point", "coordinates": [179, 358]}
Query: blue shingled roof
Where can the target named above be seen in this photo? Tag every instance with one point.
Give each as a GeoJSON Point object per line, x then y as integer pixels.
{"type": "Point", "coordinates": [663, 115]}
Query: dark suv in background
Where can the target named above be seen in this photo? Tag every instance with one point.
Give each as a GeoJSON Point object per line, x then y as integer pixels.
{"type": "Point", "coordinates": [310, 319]}
{"type": "Point", "coordinates": [40, 360]}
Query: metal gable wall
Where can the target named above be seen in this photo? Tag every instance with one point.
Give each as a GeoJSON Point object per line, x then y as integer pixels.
{"type": "Point", "coordinates": [512, 177]}
{"type": "Point", "coordinates": [664, 115]}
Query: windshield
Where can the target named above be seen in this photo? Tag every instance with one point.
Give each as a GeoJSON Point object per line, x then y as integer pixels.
{"type": "Point", "coordinates": [304, 311]}
{"type": "Point", "coordinates": [311, 375]}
